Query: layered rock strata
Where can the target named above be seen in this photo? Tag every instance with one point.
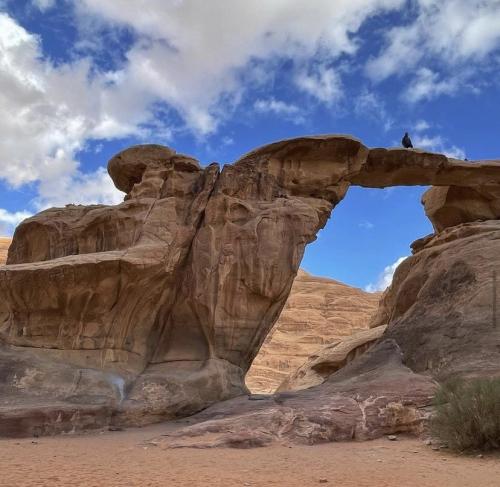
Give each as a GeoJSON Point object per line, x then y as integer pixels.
{"type": "Point", "coordinates": [4, 247]}
{"type": "Point", "coordinates": [319, 311]}
{"type": "Point", "coordinates": [330, 358]}
{"type": "Point", "coordinates": [155, 308]}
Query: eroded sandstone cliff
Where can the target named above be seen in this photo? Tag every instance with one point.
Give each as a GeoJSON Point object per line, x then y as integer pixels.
{"type": "Point", "coordinates": [319, 311]}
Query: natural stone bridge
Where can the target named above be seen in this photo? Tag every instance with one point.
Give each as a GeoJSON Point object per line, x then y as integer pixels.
{"type": "Point", "coordinates": [155, 308]}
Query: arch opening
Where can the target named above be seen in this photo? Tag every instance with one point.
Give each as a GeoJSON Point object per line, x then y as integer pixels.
{"type": "Point", "coordinates": [337, 290]}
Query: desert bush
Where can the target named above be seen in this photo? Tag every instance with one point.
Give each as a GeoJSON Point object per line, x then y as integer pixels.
{"type": "Point", "coordinates": [467, 414]}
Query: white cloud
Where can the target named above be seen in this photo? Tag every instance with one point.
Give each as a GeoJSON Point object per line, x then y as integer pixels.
{"type": "Point", "coordinates": [321, 83]}
{"type": "Point", "coordinates": [199, 56]}
{"type": "Point", "coordinates": [9, 221]}
{"type": "Point", "coordinates": [422, 126]}
{"type": "Point", "coordinates": [286, 111]}
{"type": "Point", "coordinates": [443, 49]}
{"type": "Point", "coordinates": [44, 4]}
{"type": "Point", "coordinates": [369, 105]}
{"type": "Point", "coordinates": [385, 278]}
{"type": "Point", "coordinates": [438, 144]}
{"type": "Point", "coordinates": [366, 225]}
{"type": "Point", "coordinates": [428, 84]}
{"type": "Point", "coordinates": [48, 113]}
{"type": "Point", "coordinates": [453, 31]}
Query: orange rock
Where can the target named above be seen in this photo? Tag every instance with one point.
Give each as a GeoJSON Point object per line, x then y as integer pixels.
{"type": "Point", "coordinates": [319, 311]}
{"type": "Point", "coordinates": [4, 247]}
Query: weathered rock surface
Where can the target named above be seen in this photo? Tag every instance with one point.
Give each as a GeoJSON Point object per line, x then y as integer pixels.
{"type": "Point", "coordinates": [442, 307]}
{"type": "Point", "coordinates": [319, 311]}
{"type": "Point", "coordinates": [155, 308]}
{"type": "Point", "coordinates": [448, 206]}
{"type": "Point", "coordinates": [4, 247]}
{"type": "Point", "coordinates": [331, 358]}
{"type": "Point", "coordinates": [370, 397]}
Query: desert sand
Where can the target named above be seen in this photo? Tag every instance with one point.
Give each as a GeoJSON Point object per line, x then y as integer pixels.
{"type": "Point", "coordinates": [124, 458]}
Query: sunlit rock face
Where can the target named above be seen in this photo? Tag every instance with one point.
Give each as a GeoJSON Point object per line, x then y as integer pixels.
{"type": "Point", "coordinates": [326, 360]}
{"type": "Point", "coordinates": [155, 308]}
{"type": "Point", "coordinates": [318, 312]}
{"type": "Point", "coordinates": [4, 247]}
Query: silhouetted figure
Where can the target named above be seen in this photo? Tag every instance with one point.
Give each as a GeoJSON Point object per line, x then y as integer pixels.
{"type": "Point", "coordinates": [407, 141]}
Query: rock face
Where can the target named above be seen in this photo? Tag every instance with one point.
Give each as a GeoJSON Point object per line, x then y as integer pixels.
{"type": "Point", "coordinates": [331, 358]}
{"type": "Point", "coordinates": [4, 247]}
{"type": "Point", "coordinates": [155, 308]}
{"type": "Point", "coordinates": [319, 311]}
{"type": "Point", "coordinates": [442, 308]}
{"type": "Point", "coordinates": [448, 206]}
{"type": "Point", "coordinates": [370, 397]}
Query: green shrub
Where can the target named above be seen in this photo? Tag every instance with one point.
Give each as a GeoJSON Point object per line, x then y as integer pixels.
{"type": "Point", "coordinates": [467, 414]}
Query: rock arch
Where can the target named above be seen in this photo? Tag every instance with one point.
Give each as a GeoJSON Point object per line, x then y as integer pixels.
{"type": "Point", "coordinates": [174, 290]}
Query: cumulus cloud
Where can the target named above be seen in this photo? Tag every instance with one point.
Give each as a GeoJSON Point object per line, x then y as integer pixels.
{"type": "Point", "coordinates": [427, 85]}
{"type": "Point", "coordinates": [322, 83]}
{"type": "Point", "coordinates": [48, 113]}
{"type": "Point", "coordinates": [197, 55]}
{"type": "Point", "coordinates": [452, 31]}
{"type": "Point", "coordinates": [437, 143]}
{"type": "Point", "coordinates": [385, 278]}
{"type": "Point", "coordinates": [9, 220]}
{"type": "Point", "coordinates": [286, 111]}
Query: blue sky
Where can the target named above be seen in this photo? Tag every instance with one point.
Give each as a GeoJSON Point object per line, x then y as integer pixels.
{"type": "Point", "coordinates": [82, 79]}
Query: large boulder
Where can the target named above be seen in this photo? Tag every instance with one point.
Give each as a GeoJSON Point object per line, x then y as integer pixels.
{"type": "Point", "coordinates": [319, 311]}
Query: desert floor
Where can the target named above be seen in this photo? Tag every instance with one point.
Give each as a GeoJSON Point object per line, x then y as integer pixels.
{"type": "Point", "coordinates": [124, 458]}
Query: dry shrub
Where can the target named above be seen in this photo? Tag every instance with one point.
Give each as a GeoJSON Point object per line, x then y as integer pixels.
{"type": "Point", "coordinates": [467, 414]}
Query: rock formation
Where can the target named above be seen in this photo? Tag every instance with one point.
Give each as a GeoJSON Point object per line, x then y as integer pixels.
{"type": "Point", "coordinates": [155, 308]}
{"type": "Point", "coordinates": [4, 247]}
{"type": "Point", "coordinates": [448, 206]}
{"type": "Point", "coordinates": [319, 311]}
{"type": "Point", "coordinates": [370, 397]}
{"type": "Point", "coordinates": [442, 307]}
{"type": "Point", "coordinates": [330, 358]}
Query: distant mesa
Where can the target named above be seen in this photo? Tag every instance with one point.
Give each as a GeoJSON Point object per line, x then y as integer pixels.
{"type": "Point", "coordinates": [155, 308]}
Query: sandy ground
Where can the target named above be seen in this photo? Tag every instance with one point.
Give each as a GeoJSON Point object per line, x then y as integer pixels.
{"type": "Point", "coordinates": [124, 459]}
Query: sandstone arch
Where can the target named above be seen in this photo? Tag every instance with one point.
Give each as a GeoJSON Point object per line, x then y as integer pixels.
{"type": "Point", "coordinates": [172, 292]}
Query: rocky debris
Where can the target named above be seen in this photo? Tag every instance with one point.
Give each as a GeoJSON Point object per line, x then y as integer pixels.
{"type": "Point", "coordinates": [442, 307]}
{"type": "Point", "coordinates": [371, 397]}
{"type": "Point", "coordinates": [4, 247]}
{"type": "Point", "coordinates": [448, 206]}
{"type": "Point", "coordinates": [331, 358]}
{"type": "Point", "coordinates": [156, 307]}
{"type": "Point", "coordinates": [319, 311]}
